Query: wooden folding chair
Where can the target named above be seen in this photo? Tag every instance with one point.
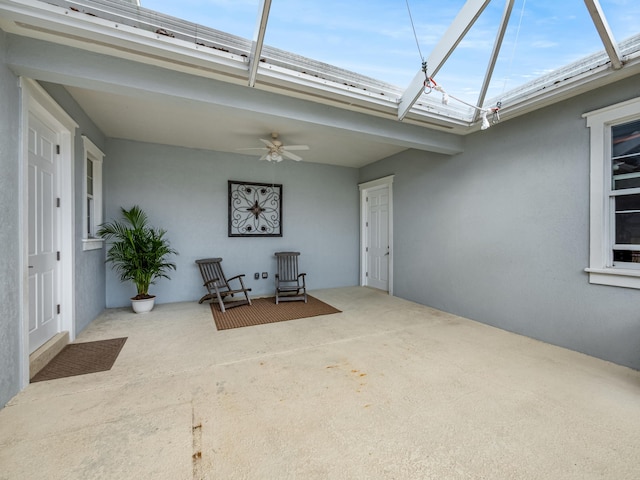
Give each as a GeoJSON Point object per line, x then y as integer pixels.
{"type": "Point", "coordinates": [290, 285]}
{"type": "Point", "coordinates": [219, 286]}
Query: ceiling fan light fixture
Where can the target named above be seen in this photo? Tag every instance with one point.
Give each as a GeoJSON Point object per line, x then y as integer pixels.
{"type": "Point", "coordinates": [274, 157]}
{"type": "Point", "coordinates": [276, 151]}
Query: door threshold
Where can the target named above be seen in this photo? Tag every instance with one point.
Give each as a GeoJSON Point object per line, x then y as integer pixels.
{"type": "Point", "coordinates": [43, 355]}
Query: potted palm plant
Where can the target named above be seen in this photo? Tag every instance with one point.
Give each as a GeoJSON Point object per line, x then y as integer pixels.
{"type": "Point", "coordinates": [138, 252]}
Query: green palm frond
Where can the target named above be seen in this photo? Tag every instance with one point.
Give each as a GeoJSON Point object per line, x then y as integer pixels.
{"type": "Point", "coordinates": [137, 251]}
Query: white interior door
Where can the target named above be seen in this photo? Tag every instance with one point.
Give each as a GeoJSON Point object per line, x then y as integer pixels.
{"type": "Point", "coordinates": [44, 271]}
{"type": "Point", "coordinates": [377, 245]}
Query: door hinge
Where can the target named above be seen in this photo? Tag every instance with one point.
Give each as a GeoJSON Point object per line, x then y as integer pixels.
{"type": "Point", "coordinates": [58, 202]}
{"type": "Point", "coordinates": [366, 224]}
{"type": "Point", "coordinates": [58, 309]}
{"type": "Point", "coordinates": [366, 249]}
{"type": "Point", "coordinates": [366, 274]}
{"type": "Point", "coordinates": [58, 149]}
{"type": "Point", "coordinates": [58, 256]}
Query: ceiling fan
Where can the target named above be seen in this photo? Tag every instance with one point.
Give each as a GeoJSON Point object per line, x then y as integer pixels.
{"type": "Point", "coordinates": [276, 151]}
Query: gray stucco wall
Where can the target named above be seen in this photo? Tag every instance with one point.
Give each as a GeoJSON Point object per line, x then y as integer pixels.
{"type": "Point", "coordinates": [10, 271]}
{"type": "Point", "coordinates": [89, 265]}
{"type": "Point", "coordinates": [185, 192]}
{"type": "Point", "coordinates": [500, 233]}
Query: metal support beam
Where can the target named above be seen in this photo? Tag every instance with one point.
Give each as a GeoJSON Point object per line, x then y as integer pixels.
{"type": "Point", "coordinates": [445, 47]}
{"type": "Point", "coordinates": [494, 55]}
{"type": "Point", "coordinates": [258, 41]}
{"type": "Point", "coordinates": [600, 21]}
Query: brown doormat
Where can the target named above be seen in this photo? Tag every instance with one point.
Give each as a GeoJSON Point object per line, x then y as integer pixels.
{"type": "Point", "coordinates": [265, 310]}
{"type": "Point", "coordinates": [82, 358]}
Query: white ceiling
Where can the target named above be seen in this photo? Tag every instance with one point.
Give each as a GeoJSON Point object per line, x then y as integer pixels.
{"type": "Point", "coordinates": [196, 125]}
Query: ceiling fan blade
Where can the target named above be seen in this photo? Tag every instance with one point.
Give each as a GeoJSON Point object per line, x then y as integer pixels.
{"type": "Point", "coordinates": [276, 151]}
{"type": "Point", "coordinates": [290, 155]}
{"type": "Point", "coordinates": [268, 143]}
{"type": "Point", "coordinates": [295, 147]}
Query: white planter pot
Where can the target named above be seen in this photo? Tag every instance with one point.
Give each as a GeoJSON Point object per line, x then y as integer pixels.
{"type": "Point", "coordinates": [143, 306]}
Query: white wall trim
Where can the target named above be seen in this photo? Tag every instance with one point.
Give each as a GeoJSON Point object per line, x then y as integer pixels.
{"type": "Point", "coordinates": [364, 189]}
{"type": "Point", "coordinates": [35, 100]}
{"type": "Point", "coordinates": [388, 180]}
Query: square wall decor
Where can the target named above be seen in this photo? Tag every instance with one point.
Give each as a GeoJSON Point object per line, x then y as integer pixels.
{"type": "Point", "coordinates": [255, 209]}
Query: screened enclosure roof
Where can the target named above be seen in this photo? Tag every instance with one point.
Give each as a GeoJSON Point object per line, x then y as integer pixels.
{"type": "Point", "coordinates": [360, 63]}
{"type": "Point", "coordinates": [388, 40]}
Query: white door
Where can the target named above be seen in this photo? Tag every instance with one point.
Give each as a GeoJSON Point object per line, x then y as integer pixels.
{"type": "Point", "coordinates": [377, 248]}
{"type": "Point", "coordinates": [44, 270]}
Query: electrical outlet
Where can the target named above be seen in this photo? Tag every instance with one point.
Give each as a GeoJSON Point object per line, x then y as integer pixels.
{"type": "Point", "coordinates": [256, 276]}
{"type": "Point", "coordinates": [265, 275]}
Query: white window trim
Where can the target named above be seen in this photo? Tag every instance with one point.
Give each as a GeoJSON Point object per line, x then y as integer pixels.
{"type": "Point", "coordinates": [601, 270]}
{"type": "Point", "coordinates": [92, 152]}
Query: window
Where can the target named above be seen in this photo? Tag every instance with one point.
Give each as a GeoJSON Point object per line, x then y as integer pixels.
{"type": "Point", "coordinates": [92, 204]}
{"type": "Point", "coordinates": [615, 195]}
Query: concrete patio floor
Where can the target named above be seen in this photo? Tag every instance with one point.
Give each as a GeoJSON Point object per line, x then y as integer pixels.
{"type": "Point", "coordinates": [387, 389]}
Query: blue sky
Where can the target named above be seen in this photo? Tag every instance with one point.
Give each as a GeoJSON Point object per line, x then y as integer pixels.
{"type": "Point", "coordinates": [375, 37]}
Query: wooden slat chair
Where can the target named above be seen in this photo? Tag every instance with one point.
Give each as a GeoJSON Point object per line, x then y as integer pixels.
{"type": "Point", "coordinates": [290, 285]}
{"type": "Point", "coordinates": [219, 286]}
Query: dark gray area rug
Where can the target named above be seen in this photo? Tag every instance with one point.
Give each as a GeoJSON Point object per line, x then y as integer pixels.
{"type": "Point", "coordinates": [82, 358]}
{"type": "Point", "coordinates": [265, 310]}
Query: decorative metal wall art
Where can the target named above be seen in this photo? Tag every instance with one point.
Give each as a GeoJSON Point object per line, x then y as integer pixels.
{"type": "Point", "coordinates": [255, 209]}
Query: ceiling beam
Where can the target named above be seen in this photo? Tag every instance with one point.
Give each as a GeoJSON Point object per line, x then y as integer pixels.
{"type": "Point", "coordinates": [600, 21]}
{"type": "Point", "coordinates": [441, 52]}
{"type": "Point", "coordinates": [258, 41]}
{"type": "Point", "coordinates": [494, 55]}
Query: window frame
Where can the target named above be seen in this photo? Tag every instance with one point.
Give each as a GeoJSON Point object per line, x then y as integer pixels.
{"type": "Point", "coordinates": [94, 155]}
{"type": "Point", "coordinates": [602, 270]}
